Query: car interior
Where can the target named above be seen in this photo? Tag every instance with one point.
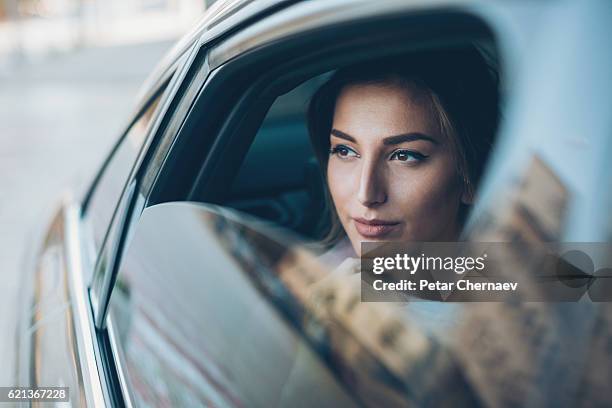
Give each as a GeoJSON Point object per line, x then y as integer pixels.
{"type": "Point", "coordinates": [280, 180]}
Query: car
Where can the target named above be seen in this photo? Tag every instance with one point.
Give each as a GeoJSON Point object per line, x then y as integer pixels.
{"type": "Point", "coordinates": [181, 276]}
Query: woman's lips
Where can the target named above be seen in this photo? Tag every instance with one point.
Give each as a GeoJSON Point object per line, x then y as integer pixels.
{"type": "Point", "coordinates": [374, 228]}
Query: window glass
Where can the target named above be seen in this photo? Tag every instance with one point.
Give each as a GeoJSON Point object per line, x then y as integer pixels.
{"type": "Point", "coordinates": [112, 181]}
{"type": "Point", "coordinates": [211, 312]}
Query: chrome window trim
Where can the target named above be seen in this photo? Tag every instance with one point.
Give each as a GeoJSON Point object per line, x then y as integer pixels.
{"type": "Point", "coordinates": [90, 252]}
{"type": "Point", "coordinates": [100, 293]}
{"type": "Point", "coordinates": [88, 347]}
{"type": "Point", "coordinates": [150, 87]}
{"type": "Point", "coordinates": [120, 364]}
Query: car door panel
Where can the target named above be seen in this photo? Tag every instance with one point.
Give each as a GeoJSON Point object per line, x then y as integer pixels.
{"type": "Point", "coordinates": [57, 346]}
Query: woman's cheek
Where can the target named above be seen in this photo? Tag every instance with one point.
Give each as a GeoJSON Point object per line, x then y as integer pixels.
{"type": "Point", "coordinates": [339, 180]}
{"type": "Point", "coordinates": [426, 196]}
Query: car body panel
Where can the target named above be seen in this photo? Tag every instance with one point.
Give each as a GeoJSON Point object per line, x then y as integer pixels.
{"type": "Point", "coordinates": [60, 337]}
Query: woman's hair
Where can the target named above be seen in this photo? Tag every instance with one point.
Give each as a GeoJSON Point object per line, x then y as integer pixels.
{"type": "Point", "coordinates": [463, 91]}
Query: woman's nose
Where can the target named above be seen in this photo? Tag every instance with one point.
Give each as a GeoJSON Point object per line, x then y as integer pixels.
{"type": "Point", "coordinates": [371, 186]}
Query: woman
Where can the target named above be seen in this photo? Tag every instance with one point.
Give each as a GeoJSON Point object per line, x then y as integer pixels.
{"type": "Point", "coordinates": [402, 143]}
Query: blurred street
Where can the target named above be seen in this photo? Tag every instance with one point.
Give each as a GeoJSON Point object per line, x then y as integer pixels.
{"type": "Point", "coordinates": [59, 117]}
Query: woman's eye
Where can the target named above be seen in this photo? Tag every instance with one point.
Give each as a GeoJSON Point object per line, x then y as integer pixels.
{"type": "Point", "coordinates": [343, 151]}
{"type": "Point", "coordinates": [407, 156]}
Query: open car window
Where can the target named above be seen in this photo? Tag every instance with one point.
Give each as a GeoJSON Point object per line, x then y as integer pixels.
{"type": "Point", "coordinates": [280, 180]}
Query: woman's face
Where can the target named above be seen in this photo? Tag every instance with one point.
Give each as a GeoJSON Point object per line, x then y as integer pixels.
{"type": "Point", "coordinates": [391, 173]}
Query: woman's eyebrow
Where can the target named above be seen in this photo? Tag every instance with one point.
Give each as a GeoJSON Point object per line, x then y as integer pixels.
{"type": "Point", "coordinates": [408, 137]}
{"type": "Point", "coordinates": [343, 135]}
{"type": "Point", "coordinates": [391, 140]}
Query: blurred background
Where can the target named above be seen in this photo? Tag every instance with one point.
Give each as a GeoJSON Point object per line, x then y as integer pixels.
{"type": "Point", "coordinates": [69, 74]}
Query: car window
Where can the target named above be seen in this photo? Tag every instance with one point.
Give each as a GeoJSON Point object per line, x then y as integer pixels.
{"type": "Point", "coordinates": [282, 178]}
{"type": "Point", "coordinates": [111, 182]}
{"type": "Point", "coordinates": [230, 304]}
